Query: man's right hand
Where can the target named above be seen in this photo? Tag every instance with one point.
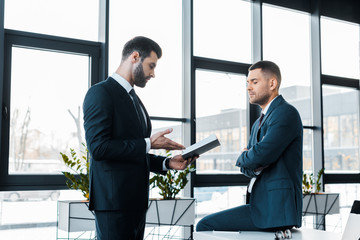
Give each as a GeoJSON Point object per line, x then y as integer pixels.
{"type": "Point", "coordinates": [159, 141]}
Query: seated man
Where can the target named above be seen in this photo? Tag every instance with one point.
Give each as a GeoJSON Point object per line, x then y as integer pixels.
{"type": "Point", "coordinates": [272, 159]}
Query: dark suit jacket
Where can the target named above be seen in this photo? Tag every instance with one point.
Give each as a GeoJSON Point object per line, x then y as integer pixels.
{"type": "Point", "coordinates": [276, 197]}
{"type": "Point", "coordinates": [119, 165]}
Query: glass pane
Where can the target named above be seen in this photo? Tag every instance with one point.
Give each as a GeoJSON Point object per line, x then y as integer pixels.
{"type": "Point", "coordinates": [289, 47]}
{"type": "Point", "coordinates": [341, 129]}
{"type": "Point", "coordinates": [175, 135]}
{"type": "Point", "coordinates": [162, 95]}
{"type": "Point", "coordinates": [31, 214]}
{"type": "Point", "coordinates": [348, 193]}
{"type": "Point", "coordinates": [307, 149]}
{"type": "Point", "coordinates": [65, 18]}
{"type": "Point", "coordinates": [221, 110]}
{"type": "Point", "coordinates": [214, 199]}
{"type": "Point", "coordinates": [47, 91]}
{"type": "Point", "coordinates": [222, 30]}
{"type": "Point", "coordinates": [340, 48]}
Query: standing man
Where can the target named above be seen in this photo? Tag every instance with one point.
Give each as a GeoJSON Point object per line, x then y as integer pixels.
{"type": "Point", "coordinates": [272, 159]}
{"type": "Point", "coordinates": [117, 130]}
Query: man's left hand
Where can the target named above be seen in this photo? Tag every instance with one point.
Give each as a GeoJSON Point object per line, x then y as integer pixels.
{"type": "Point", "coordinates": [179, 163]}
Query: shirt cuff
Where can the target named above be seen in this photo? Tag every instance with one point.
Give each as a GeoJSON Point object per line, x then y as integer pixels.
{"type": "Point", "coordinates": [164, 165]}
{"type": "Point", "coordinates": [148, 144]}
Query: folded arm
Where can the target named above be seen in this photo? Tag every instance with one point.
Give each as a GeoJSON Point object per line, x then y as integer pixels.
{"type": "Point", "coordinates": [281, 132]}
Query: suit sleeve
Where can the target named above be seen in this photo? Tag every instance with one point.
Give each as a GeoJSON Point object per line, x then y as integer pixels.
{"type": "Point", "coordinates": [283, 127]}
{"type": "Point", "coordinates": [156, 164]}
{"type": "Point", "coordinates": [246, 171]}
{"type": "Point", "coordinates": [98, 115]}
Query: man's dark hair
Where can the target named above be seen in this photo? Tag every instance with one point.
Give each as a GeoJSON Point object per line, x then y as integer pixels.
{"type": "Point", "coordinates": [268, 68]}
{"type": "Point", "coordinates": [143, 45]}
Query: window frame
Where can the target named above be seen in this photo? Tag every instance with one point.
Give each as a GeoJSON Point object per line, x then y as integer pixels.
{"type": "Point", "coordinates": [48, 43]}
{"type": "Point", "coordinates": [208, 180]}
{"type": "Point", "coordinates": [333, 178]}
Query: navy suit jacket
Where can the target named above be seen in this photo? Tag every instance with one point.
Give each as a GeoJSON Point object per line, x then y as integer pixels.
{"type": "Point", "coordinates": [276, 197]}
{"type": "Point", "coordinates": [119, 164]}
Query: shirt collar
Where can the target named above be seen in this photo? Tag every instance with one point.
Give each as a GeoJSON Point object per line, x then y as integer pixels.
{"type": "Point", "coordinates": [267, 106]}
{"type": "Point", "coordinates": [125, 84]}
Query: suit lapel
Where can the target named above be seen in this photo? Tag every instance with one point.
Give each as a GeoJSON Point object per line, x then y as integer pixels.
{"type": "Point", "coordinates": [273, 105]}
{"type": "Point", "coordinates": [279, 100]}
{"type": "Point", "coordinates": [123, 94]}
{"type": "Point", "coordinates": [128, 101]}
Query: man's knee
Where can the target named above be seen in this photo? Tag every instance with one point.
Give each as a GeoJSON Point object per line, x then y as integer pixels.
{"type": "Point", "coordinates": [203, 226]}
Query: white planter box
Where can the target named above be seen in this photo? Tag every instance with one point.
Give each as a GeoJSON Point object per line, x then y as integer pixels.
{"type": "Point", "coordinates": [74, 216]}
{"type": "Point", "coordinates": [179, 212]}
{"type": "Point", "coordinates": [320, 204]}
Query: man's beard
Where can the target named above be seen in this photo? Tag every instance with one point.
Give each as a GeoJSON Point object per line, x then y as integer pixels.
{"type": "Point", "coordinates": [139, 76]}
{"type": "Point", "coordinates": [263, 99]}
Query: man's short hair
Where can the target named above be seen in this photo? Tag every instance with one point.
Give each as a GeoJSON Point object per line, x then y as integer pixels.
{"type": "Point", "coordinates": [268, 68]}
{"type": "Point", "coordinates": [143, 45]}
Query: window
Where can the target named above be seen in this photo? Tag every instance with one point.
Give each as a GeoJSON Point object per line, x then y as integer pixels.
{"type": "Point", "coordinates": [215, 199]}
{"type": "Point", "coordinates": [44, 79]}
{"type": "Point", "coordinates": [44, 85]}
{"type": "Point", "coordinates": [66, 18]}
{"type": "Point", "coordinates": [176, 135]}
{"type": "Point", "coordinates": [348, 193]}
{"type": "Point", "coordinates": [222, 30]}
{"type": "Point", "coordinates": [32, 214]}
{"type": "Point", "coordinates": [307, 149]}
{"type": "Point", "coordinates": [341, 129]}
{"type": "Point", "coordinates": [340, 48]}
{"type": "Point", "coordinates": [162, 95]}
{"type": "Point", "coordinates": [221, 106]}
{"type": "Point", "coordinates": [47, 90]}
{"type": "Point", "coordinates": [289, 48]}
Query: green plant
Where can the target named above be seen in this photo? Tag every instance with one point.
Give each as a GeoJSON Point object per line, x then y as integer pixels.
{"type": "Point", "coordinates": [172, 182]}
{"type": "Point", "coordinates": [78, 178]}
{"type": "Point", "coordinates": [309, 181]}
